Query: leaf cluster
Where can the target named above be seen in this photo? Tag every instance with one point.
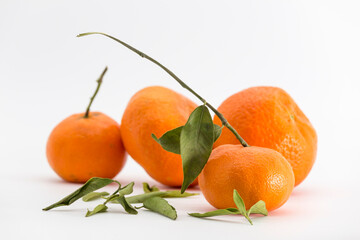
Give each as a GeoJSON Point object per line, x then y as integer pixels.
{"type": "Point", "coordinates": [257, 208]}
{"type": "Point", "coordinates": [152, 198]}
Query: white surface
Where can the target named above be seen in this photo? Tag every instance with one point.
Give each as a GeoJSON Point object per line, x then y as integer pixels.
{"type": "Point", "coordinates": [309, 48]}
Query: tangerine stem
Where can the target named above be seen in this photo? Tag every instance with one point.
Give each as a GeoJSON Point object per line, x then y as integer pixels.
{"type": "Point", "coordinates": [99, 81]}
{"type": "Point", "coordinates": [184, 85]}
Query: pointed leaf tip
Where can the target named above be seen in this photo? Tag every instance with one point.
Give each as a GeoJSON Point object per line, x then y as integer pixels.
{"type": "Point", "coordinates": [148, 189]}
{"type": "Point", "coordinates": [239, 202]}
{"type": "Point", "coordinates": [91, 185]}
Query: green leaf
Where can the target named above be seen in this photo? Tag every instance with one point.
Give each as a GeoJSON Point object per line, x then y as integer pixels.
{"type": "Point", "coordinates": [196, 141]}
{"type": "Point", "coordinates": [128, 189]}
{"type": "Point", "coordinates": [94, 196]}
{"type": "Point", "coordinates": [170, 141]}
{"type": "Point", "coordinates": [99, 208]}
{"type": "Point", "coordinates": [258, 208]}
{"type": "Point", "coordinates": [219, 212]}
{"type": "Point", "coordinates": [92, 185]}
{"type": "Point", "coordinates": [160, 205]}
{"type": "Point", "coordinates": [178, 194]}
{"type": "Point", "coordinates": [217, 132]}
{"type": "Point", "coordinates": [239, 202]}
{"type": "Point", "coordinates": [119, 198]}
{"type": "Point", "coordinates": [147, 188]}
{"type": "Point", "coordinates": [166, 194]}
{"type": "Point", "coordinates": [127, 207]}
{"type": "Point", "coordinates": [142, 197]}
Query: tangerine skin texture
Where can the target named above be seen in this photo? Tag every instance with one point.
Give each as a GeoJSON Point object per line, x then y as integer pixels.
{"type": "Point", "coordinates": [256, 173]}
{"type": "Point", "coordinates": [269, 117]}
{"type": "Point", "coordinates": [155, 110]}
{"type": "Point", "coordinates": [81, 148]}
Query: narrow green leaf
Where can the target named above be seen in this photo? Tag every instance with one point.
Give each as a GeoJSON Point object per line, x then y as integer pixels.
{"type": "Point", "coordinates": [196, 141]}
{"type": "Point", "coordinates": [94, 196]}
{"type": "Point", "coordinates": [217, 132]}
{"type": "Point", "coordinates": [166, 194]}
{"type": "Point", "coordinates": [142, 197]}
{"type": "Point", "coordinates": [170, 141]}
{"type": "Point", "coordinates": [218, 212]}
{"type": "Point", "coordinates": [161, 206]}
{"type": "Point", "coordinates": [178, 194]}
{"type": "Point", "coordinates": [258, 208]}
{"type": "Point", "coordinates": [128, 189]}
{"type": "Point", "coordinates": [99, 208]}
{"type": "Point", "coordinates": [239, 202]}
{"type": "Point", "coordinates": [147, 188]}
{"type": "Point", "coordinates": [92, 185]}
{"type": "Point", "coordinates": [127, 207]}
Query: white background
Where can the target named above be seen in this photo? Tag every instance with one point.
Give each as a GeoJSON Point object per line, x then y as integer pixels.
{"type": "Point", "coordinates": [309, 48]}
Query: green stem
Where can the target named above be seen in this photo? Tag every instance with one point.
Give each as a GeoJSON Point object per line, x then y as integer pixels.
{"type": "Point", "coordinates": [114, 193]}
{"type": "Point", "coordinates": [99, 81]}
{"type": "Point", "coordinates": [141, 54]}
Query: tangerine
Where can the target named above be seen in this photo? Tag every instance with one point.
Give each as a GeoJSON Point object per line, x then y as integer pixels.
{"type": "Point", "coordinates": [269, 117]}
{"type": "Point", "coordinates": [256, 173]}
{"type": "Point", "coordinates": [80, 148]}
{"type": "Point", "coordinates": [155, 110]}
{"type": "Point", "coordinates": [86, 145]}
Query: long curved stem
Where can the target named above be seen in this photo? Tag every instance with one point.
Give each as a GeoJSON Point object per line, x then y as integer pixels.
{"type": "Point", "coordinates": [141, 54]}
{"type": "Point", "coordinates": [99, 81]}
